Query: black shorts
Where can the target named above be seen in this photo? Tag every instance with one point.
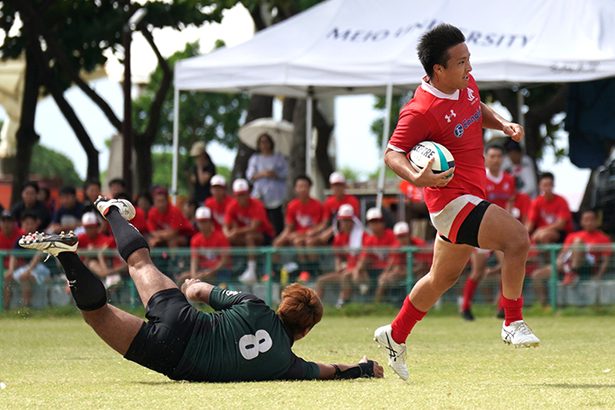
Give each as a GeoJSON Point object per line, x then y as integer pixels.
{"type": "Point", "coordinates": [160, 343]}
{"type": "Point", "coordinates": [468, 230]}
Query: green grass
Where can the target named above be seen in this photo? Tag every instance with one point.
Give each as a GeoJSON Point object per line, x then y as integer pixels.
{"type": "Point", "coordinates": [58, 362]}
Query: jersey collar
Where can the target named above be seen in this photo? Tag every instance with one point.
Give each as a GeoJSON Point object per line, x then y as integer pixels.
{"type": "Point", "coordinates": [437, 93]}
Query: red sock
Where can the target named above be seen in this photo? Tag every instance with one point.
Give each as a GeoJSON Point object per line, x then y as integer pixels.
{"type": "Point", "coordinates": [405, 320]}
{"type": "Point", "coordinates": [468, 293]}
{"type": "Point", "coordinates": [501, 301]}
{"type": "Point", "coordinates": [512, 309]}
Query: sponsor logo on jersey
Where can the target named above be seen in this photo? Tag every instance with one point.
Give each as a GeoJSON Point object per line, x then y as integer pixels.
{"type": "Point", "coordinates": [465, 124]}
{"type": "Point", "coordinates": [471, 96]}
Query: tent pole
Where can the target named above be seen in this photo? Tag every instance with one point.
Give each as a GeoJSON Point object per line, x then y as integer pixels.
{"type": "Point", "coordinates": [385, 140]}
{"type": "Point", "coordinates": [308, 134]}
{"type": "Point", "coordinates": [520, 104]}
{"type": "Point", "coordinates": [175, 145]}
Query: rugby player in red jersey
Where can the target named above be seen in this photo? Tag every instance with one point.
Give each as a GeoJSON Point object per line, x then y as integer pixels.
{"type": "Point", "coordinates": [446, 108]}
{"type": "Point", "coordinates": [500, 190]}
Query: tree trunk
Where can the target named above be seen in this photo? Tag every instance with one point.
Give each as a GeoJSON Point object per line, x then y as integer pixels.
{"type": "Point", "coordinates": [26, 134]}
{"type": "Point", "coordinates": [296, 163]}
{"type": "Point", "coordinates": [143, 164]}
{"type": "Point", "coordinates": [261, 106]}
{"type": "Point", "coordinates": [323, 161]}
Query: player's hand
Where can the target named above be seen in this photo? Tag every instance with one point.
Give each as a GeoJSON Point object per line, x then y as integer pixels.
{"type": "Point", "coordinates": [514, 131]}
{"type": "Point", "coordinates": [426, 177]}
{"type": "Point", "coordinates": [378, 370]}
{"type": "Point", "coordinates": [187, 284]}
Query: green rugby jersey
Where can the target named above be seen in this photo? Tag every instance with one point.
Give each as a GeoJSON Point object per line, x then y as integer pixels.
{"type": "Point", "coordinates": [243, 340]}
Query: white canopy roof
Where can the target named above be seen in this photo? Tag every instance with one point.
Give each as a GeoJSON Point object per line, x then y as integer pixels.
{"type": "Point", "coordinates": [351, 46]}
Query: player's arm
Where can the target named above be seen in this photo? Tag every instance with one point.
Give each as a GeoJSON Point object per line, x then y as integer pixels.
{"type": "Point", "coordinates": [197, 291]}
{"type": "Point", "coordinates": [217, 298]}
{"type": "Point", "coordinates": [494, 121]}
{"type": "Point", "coordinates": [399, 164]}
{"type": "Point", "coordinates": [365, 368]}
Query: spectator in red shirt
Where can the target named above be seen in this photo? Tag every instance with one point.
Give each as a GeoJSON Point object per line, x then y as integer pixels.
{"type": "Point", "coordinates": [99, 261]}
{"type": "Point", "coordinates": [397, 272]}
{"type": "Point", "coordinates": [331, 205]}
{"type": "Point", "coordinates": [303, 217]}
{"type": "Point", "coordinates": [23, 271]}
{"type": "Point", "coordinates": [374, 261]}
{"type": "Point", "coordinates": [585, 253]}
{"type": "Point", "coordinates": [166, 224]}
{"type": "Point", "coordinates": [549, 220]}
{"type": "Point", "coordinates": [218, 201]}
{"type": "Point", "coordinates": [521, 207]}
{"type": "Point", "coordinates": [246, 224]}
{"type": "Point", "coordinates": [349, 238]}
{"type": "Point", "coordinates": [208, 249]}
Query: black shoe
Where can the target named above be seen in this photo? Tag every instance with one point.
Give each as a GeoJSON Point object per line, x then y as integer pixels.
{"type": "Point", "coordinates": [467, 315]}
{"type": "Point", "coordinates": [500, 314]}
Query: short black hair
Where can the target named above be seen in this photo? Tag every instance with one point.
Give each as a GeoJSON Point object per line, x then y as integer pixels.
{"type": "Point", "coordinates": [494, 145]}
{"type": "Point", "coordinates": [68, 190]}
{"type": "Point", "coordinates": [546, 175]}
{"type": "Point", "coordinates": [434, 44]}
{"type": "Point", "coordinates": [119, 181]}
{"type": "Point", "coordinates": [302, 178]}
{"type": "Point", "coordinates": [29, 214]}
{"type": "Point", "coordinates": [586, 210]}
{"type": "Point", "coordinates": [91, 182]}
{"type": "Point", "coordinates": [32, 184]}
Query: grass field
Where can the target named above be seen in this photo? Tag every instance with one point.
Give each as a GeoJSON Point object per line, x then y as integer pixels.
{"type": "Point", "coordinates": [58, 362]}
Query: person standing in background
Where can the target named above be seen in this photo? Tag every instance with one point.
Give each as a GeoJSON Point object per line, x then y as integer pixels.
{"type": "Point", "coordinates": [268, 170]}
{"type": "Point", "coordinates": [201, 172]}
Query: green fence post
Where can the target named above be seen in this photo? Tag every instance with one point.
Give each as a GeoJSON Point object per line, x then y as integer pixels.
{"type": "Point", "coordinates": [2, 281]}
{"type": "Point", "coordinates": [268, 271]}
{"type": "Point", "coordinates": [409, 269]}
{"type": "Point", "coordinates": [553, 278]}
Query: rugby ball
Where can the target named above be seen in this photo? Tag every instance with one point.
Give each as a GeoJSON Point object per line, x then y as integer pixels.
{"type": "Point", "coordinates": [422, 152]}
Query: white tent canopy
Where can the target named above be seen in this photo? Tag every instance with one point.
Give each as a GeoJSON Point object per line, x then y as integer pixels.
{"type": "Point", "coordinates": [344, 46]}
{"type": "Point", "coordinates": [361, 46]}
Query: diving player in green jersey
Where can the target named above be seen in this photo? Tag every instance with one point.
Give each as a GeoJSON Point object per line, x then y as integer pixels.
{"type": "Point", "coordinates": [244, 339]}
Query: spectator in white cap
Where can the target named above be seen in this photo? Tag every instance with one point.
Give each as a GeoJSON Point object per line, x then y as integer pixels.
{"type": "Point", "coordinates": [218, 201]}
{"type": "Point", "coordinates": [201, 172]}
{"type": "Point", "coordinates": [268, 171]}
{"type": "Point", "coordinates": [349, 239]}
{"type": "Point", "coordinates": [105, 266]}
{"type": "Point", "coordinates": [397, 273]}
{"type": "Point", "coordinates": [338, 197]}
{"type": "Point", "coordinates": [209, 249]}
{"type": "Point", "coordinates": [246, 224]}
{"type": "Point", "coordinates": [374, 261]}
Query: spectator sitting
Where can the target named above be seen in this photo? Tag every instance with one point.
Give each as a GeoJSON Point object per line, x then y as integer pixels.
{"type": "Point", "coordinates": [208, 245]}
{"type": "Point", "coordinates": [332, 204]}
{"type": "Point", "coordinates": [166, 224]}
{"type": "Point", "coordinates": [145, 201]}
{"type": "Point", "coordinates": [246, 224]}
{"type": "Point", "coordinates": [398, 271]}
{"type": "Point", "coordinates": [201, 172]}
{"type": "Point", "coordinates": [268, 170]}
{"type": "Point", "coordinates": [521, 167]}
{"type": "Point", "coordinates": [105, 267]}
{"type": "Point", "coordinates": [189, 210]}
{"type": "Point", "coordinates": [44, 197]}
{"type": "Point", "coordinates": [372, 261]}
{"type": "Point", "coordinates": [349, 237]}
{"type": "Point", "coordinates": [30, 203]}
{"type": "Point", "coordinates": [218, 201]}
{"type": "Point", "coordinates": [91, 191]}
{"type": "Point", "coordinates": [116, 186]}
{"type": "Point", "coordinates": [21, 271]}
{"type": "Point", "coordinates": [303, 217]}
{"type": "Point", "coordinates": [140, 219]}
{"type": "Point", "coordinates": [549, 219]}
{"type": "Point", "coordinates": [521, 207]}
{"type": "Point", "coordinates": [584, 253]}
{"type": "Point", "coordinates": [68, 216]}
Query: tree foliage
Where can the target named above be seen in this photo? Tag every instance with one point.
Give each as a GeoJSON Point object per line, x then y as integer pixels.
{"type": "Point", "coordinates": [52, 164]}
{"type": "Point", "coordinates": [203, 116]}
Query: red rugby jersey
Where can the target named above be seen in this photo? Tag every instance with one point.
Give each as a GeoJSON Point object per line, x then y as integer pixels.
{"type": "Point", "coordinates": [500, 190]}
{"type": "Point", "coordinates": [455, 121]}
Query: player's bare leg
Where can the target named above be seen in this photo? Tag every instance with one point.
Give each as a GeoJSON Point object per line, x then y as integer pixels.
{"type": "Point", "coordinates": [499, 230]}
{"type": "Point", "coordinates": [478, 267]}
{"type": "Point", "coordinates": [448, 263]}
